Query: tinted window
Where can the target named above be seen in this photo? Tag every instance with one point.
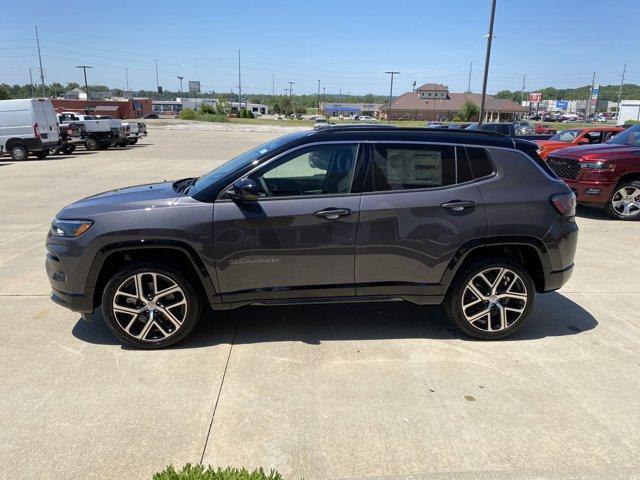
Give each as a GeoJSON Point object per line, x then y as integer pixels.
{"type": "Point", "coordinates": [479, 160]}
{"type": "Point", "coordinates": [404, 167]}
{"type": "Point", "coordinates": [316, 170]}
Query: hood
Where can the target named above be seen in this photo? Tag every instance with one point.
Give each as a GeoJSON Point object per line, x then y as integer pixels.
{"type": "Point", "coordinates": [600, 151]}
{"type": "Point", "coordinates": [552, 143]}
{"type": "Point", "coordinates": [129, 198]}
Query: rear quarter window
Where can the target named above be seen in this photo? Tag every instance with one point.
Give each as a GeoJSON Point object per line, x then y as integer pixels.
{"type": "Point", "coordinates": [479, 161]}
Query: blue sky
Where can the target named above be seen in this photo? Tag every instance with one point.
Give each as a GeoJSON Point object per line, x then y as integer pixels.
{"type": "Point", "coordinates": [346, 44]}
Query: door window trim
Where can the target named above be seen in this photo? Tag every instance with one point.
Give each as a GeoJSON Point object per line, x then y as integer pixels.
{"type": "Point", "coordinates": [354, 176]}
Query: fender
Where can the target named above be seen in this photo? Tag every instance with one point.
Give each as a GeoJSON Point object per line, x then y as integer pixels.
{"type": "Point", "coordinates": [463, 252]}
{"type": "Point", "coordinates": [198, 265]}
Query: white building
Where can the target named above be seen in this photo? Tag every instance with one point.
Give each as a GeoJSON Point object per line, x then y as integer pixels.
{"type": "Point", "coordinates": [629, 110]}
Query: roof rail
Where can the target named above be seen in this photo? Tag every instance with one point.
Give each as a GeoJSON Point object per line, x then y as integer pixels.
{"type": "Point", "coordinates": [455, 131]}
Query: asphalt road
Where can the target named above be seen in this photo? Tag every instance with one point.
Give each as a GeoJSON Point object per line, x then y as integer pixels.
{"type": "Point", "coordinates": [332, 391]}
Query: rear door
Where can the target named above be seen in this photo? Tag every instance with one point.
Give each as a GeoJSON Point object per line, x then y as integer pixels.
{"type": "Point", "coordinates": [420, 207]}
{"type": "Point", "coordinates": [298, 239]}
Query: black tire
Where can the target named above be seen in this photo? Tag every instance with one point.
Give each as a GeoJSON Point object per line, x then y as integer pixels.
{"type": "Point", "coordinates": [115, 320]}
{"type": "Point", "coordinates": [133, 141]}
{"type": "Point", "coordinates": [92, 144]}
{"type": "Point", "coordinates": [42, 154]}
{"type": "Point", "coordinates": [19, 152]}
{"type": "Point", "coordinates": [68, 149]}
{"type": "Point", "coordinates": [610, 209]}
{"type": "Point", "coordinates": [123, 144]}
{"type": "Point", "coordinates": [453, 302]}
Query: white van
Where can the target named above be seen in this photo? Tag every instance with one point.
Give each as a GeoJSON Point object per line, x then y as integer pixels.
{"type": "Point", "coordinates": [28, 125]}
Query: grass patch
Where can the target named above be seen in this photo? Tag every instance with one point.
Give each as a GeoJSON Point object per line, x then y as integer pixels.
{"type": "Point", "coordinates": [199, 472]}
{"type": "Point", "coordinates": [190, 114]}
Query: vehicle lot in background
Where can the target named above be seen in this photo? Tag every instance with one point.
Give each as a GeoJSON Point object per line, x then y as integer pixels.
{"type": "Point", "coordinates": [576, 136]}
{"type": "Point", "coordinates": [295, 383]}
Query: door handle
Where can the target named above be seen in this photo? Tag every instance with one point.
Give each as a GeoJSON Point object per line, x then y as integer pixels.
{"type": "Point", "coordinates": [333, 213]}
{"type": "Point", "coordinates": [459, 205]}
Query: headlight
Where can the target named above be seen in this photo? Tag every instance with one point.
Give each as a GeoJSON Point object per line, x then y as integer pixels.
{"type": "Point", "coordinates": [600, 165]}
{"type": "Point", "coordinates": [69, 228]}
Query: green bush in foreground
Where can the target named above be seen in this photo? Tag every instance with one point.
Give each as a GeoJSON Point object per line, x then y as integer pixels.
{"type": "Point", "coordinates": [631, 122]}
{"type": "Point", "coordinates": [198, 472]}
{"type": "Point", "coordinates": [190, 114]}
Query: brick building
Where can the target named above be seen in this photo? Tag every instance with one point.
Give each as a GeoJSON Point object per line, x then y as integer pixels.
{"type": "Point", "coordinates": [134, 108]}
{"type": "Point", "coordinates": [433, 101]}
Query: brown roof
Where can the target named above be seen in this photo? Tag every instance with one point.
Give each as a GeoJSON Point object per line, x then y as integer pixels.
{"type": "Point", "coordinates": [412, 101]}
{"type": "Point", "coordinates": [433, 86]}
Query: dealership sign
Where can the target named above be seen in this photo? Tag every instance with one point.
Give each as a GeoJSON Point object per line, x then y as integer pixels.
{"type": "Point", "coordinates": [194, 86]}
{"type": "Point", "coordinates": [535, 97]}
{"type": "Point", "coordinates": [562, 104]}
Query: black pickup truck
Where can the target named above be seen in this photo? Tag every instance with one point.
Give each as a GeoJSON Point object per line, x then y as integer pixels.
{"type": "Point", "coordinates": [508, 129]}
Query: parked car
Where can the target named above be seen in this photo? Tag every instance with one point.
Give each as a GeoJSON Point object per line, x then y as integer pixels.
{"type": "Point", "coordinates": [71, 135]}
{"type": "Point", "coordinates": [142, 129]}
{"type": "Point", "coordinates": [473, 220]}
{"type": "Point", "coordinates": [151, 116]}
{"type": "Point", "coordinates": [576, 136]}
{"type": "Point", "coordinates": [505, 128]}
{"type": "Point", "coordinates": [28, 126]}
{"type": "Point", "coordinates": [320, 123]}
{"type": "Point", "coordinates": [606, 175]}
{"type": "Point", "coordinates": [541, 128]}
{"type": "Point", "coordinates": [131, 133]}
{"type": "Point", "coordinates": [100, 131]}
{"type": "Point", "coordinates": [366, 118]}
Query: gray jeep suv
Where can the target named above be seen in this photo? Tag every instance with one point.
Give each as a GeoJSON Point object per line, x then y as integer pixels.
{"type": "Point", "coordinates": [473, 220]}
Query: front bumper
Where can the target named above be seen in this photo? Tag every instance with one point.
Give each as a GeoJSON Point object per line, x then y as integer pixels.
{"type": "Point", "coordinates": [591, 191]}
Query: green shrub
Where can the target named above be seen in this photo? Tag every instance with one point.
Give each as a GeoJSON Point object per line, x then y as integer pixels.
{"type": "Point", "coordinates": [188, 114]}
{"type": "Point", "coordinates": [198, 472]}
{"type": "Point", "coordinates": [206, 108]}
{"type": "Point", "coordinates": [632, 122]}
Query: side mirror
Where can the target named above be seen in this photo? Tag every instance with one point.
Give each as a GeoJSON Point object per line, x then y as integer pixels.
{"type": "Point", "coordinates": [244, 190]}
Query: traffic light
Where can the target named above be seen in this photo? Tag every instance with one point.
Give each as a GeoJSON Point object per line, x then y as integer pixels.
{"type": "Point", "coordinates": [159, 89]}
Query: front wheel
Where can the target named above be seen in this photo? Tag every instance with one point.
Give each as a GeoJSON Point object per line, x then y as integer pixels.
{"type": "Point", "coordinates": [43, 153]}
{"type": "Point", "coordinates": [490, 299]}
{"type": "Point", "coordinates": [624, 203]}
{"type": "Point", "coordinates": [19, 152]}
{"type": "Point", "coordinates": [92, 144]}
{"type": "Point", "coordinates": [150, 305]}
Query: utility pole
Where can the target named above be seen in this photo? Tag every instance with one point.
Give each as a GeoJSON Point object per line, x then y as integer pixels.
{"type": "Point", "coordinates": [588, 107]}
{"type": "Point", "coordinates": [318, 97]}
{"type": "Point", "coordinates": [286, 101]}
{"type": "Point", "coordinates": [392, 73]}
{"type": "Point", "coordinates": [413, 89]}
{"type": "Point", "coordinates": [239, 84]}
{"type": "Point", "coordinates": [273, 85]}
{"type": "Point", "coordinates": [524, 79]}
{"type": "Point", "coordinates": [86, 85]}
{"type": "Point", "coordinates": [469, 82]}
{"type": "Point", "coordinates": [180, 77]}
{"type": "Point", "coordinates": [157, 81]}
{"type": "Point", "coordinates": [291, 84]}
{"type": "Point", "coordinates": [126, 77]}
{"type": "Point", "coordinates": [31, 82]}
{"type": "Point", "coordinates": [624, 71]}
{"type": "Point", "coordinates": [40, 60]}
{"type": "Point", "coordinates": [340, 96]}
{"type": "Point", "coordinates": [486, 61]}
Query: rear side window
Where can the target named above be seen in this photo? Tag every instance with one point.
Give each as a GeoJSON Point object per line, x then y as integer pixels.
{"type": "Point", "coordinates": [479, 161]}
{"type": "Point", "coordinates": [406, 167]}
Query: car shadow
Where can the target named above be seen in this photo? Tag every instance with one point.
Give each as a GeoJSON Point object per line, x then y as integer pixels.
{"type": "Point", "coordinates": [593, 213]}
{"type": "Point", "coordinates": [554, 315]}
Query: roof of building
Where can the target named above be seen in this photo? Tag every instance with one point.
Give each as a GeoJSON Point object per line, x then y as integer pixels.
{"type": "Point", "coordinates": [433, 86]}
{"type": "Point", "coordinates": [412, 101]}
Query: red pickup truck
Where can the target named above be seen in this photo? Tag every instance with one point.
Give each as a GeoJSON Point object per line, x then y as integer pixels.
{"type": "Point", "coordinates": [605, 175]}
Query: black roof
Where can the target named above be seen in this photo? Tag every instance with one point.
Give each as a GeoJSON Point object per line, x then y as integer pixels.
{"type": "Point", "coordinates": [383, 132]}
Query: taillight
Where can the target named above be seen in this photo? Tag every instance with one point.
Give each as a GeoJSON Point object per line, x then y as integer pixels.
{"type": "Point", "coordinates": [565, 204]}
{"type": "Point", "coordinates": [36, 130]}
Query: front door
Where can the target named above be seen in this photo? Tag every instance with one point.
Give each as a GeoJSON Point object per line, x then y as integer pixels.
{"type": "Point", "coordinates": [298, 239]}
{"type": "Point", "coordinates": [422, 205]}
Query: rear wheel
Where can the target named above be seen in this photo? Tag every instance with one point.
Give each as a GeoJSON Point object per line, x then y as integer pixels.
{"type": "Point", "coordinates": [68, 149]}
{"type": "Point", "coordinates": [491, 298]}
{"type": "Point", "coordinates": [150, 305]}
{"type": "Point", "coordinates": [19, 152]}
{"type": "Point", "coordinates": [133, 141]}
{"type": "Point", "coordinates": [92, 144]}
{"type": "Point", "coordinates": [624, 203]}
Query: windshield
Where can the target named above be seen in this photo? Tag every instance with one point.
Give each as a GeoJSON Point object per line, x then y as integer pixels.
{"type": "Point", "coordinates": [565, 136]}
{"type": "Point", "coordinates": [630, 136]}
{"type": "Point", "coordinates": [241, 161]}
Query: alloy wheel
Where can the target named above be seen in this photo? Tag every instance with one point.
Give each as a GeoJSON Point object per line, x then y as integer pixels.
{"type": "Point", "coordinates": [150, 306]}
{"type": "Point", "coordinates": [626, 201]}
{"type": "Point", "coordinates": [494, 299]}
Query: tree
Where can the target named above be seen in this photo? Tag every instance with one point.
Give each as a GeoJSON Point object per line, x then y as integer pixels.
{"type": "Point", "coordinates": [5, 92]}
{"type": "Point", "coordinates": [468, 111]}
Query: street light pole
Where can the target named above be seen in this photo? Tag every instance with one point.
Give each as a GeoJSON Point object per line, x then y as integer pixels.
{"type": "Point", "coordinates": [624, 71]}
{"type": "Point", "coordinates": [180, 77]}
{"type": "Point", "coordinates": [318, 97]}
{"type": "Point", "coordinates": [291, 84]}
{"type": "Point", "coordinates": [86, 85]}
{"type": "Point", "coordinates": [126, 77]}
{"type": "Point", "coordinates": [392, 73]}
{"type": "Point", "coordinates": [486, 61]}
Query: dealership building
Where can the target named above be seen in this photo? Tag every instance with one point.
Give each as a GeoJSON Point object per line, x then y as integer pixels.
{"type": "Point", "coordinates": [348, 109]}
{"type": "Point", "coordinates": [434, 102]}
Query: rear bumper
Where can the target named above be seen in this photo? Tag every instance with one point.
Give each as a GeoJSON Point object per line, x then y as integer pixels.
{"type": "Point", "coordinates": [555, 279]}
{"type": "Point", "coordinates": [561, 243]}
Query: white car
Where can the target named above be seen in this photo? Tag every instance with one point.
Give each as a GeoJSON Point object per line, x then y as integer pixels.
{"type": "Point", "coordinates": [28, 126]}
{"type": "Point", "coordinates": [366, 118]}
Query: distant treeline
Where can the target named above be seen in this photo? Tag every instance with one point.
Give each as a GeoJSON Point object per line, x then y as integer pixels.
{"type": "Point", "coordinates": [630, 91]}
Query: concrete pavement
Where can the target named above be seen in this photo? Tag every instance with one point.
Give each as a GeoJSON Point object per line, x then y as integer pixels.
{"type": "Point", "coordinates": [327, 391]}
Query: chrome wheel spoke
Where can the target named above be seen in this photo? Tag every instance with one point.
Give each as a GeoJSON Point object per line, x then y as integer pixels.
{"type": "Point", "coordinates": [150, 306]}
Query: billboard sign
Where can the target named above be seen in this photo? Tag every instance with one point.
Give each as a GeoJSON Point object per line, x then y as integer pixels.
{"type": "Point", "coordinates": [194, 86]}
{"type": "Point", "coordinates": [562, 104]}
{"type": "Point", "coordinates": [535, 97]}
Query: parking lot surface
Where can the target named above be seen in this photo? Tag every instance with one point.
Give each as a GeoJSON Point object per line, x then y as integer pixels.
{"type": "Point", "coordinates": [384, 390]}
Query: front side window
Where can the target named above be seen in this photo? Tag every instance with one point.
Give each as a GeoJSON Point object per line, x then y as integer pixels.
{"type": "Point", "coordinates": [565, 136]}
{"type": "Point", "coordinates": [315, 170]}
{"type": "Point", "coordinates": [406, 167]}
